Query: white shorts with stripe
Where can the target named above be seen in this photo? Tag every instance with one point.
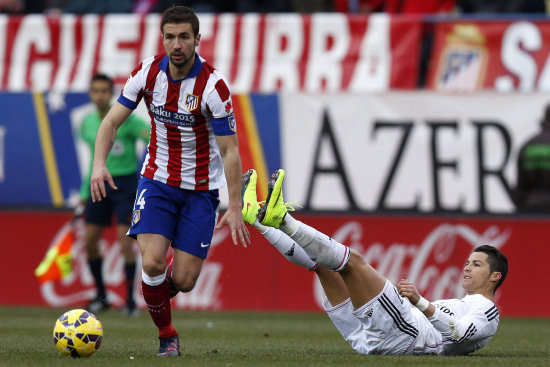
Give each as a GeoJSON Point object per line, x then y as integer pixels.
{"type": "Point", "coordinates": [384, 325]}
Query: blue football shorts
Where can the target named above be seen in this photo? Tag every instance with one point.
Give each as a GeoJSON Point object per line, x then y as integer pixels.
{"type": "Point", "coordinates": [118, 201]}
{"type": "Point", "coordinates": [186, 217]}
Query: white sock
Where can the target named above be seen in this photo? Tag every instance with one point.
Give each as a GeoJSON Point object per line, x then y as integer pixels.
{"type": "Point", "coordinates": [152, 281]}
{"type": "Point", "coordinates": [289, 225]}
{"type": "Point", "coordinates": [320, 248]}
{"type": "Point", "coordinates": [288, 248]}
{"type": "Point", "coordinates": [260, 227]}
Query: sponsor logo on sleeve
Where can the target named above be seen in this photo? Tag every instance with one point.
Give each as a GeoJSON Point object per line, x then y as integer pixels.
{"type": "Point", "coordinates": [232, 122]}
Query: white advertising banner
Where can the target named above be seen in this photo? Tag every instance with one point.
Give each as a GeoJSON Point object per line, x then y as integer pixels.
{"type": "Point", "coordinates": [420, 151]}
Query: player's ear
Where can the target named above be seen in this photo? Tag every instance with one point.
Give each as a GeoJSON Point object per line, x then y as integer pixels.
{"type": "Point", "coordinates": [495, 276]}
{"type": "Point", "coordinates": [197, 40]}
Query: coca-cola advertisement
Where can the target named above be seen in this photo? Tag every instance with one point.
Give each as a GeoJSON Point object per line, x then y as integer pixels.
{"type": "Point", "coordinates": [428, 250]}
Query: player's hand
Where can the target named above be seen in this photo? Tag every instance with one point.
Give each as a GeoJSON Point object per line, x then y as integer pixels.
{"type": "Point", "coordinates": [97, 183]}
{"type": "Point", "coordinates": [407, 289]}
{"type": "Point", "coordinates": [233, 217]}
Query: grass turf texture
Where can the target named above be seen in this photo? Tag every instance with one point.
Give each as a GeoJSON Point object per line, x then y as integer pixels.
{"type": "Point", "coordinates": [245, 339]}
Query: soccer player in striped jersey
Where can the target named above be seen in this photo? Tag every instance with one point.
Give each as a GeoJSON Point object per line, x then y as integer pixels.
{"type": "Point", "coordinates": [192, 153]}
{"type": "Point", "coordinates": [372, 314]}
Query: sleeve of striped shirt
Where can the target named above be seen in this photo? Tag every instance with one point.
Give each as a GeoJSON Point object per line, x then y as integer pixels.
{"type": "Point", "coordinates": [473, 325]}
{"type": "Point", "coordinates": [220, 105]}
{"type": "Point", "coordinates": [131, 94]}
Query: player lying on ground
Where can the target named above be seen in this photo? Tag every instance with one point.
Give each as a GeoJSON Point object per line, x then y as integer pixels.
{"type": "Point", "coordinates": [371, 313]}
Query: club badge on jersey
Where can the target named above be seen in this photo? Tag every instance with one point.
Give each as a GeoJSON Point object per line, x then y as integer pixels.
{"type": "Point", "coordinates": [191, 102]}
{"type": "Point", "coordinates": [136, 216]}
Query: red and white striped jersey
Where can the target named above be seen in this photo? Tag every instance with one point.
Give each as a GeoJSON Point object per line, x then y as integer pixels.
{"type": "Point", "coordinates": [186, 115]}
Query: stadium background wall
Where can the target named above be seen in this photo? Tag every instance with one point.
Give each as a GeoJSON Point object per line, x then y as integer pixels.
{"type": "Point", "coordinates": [430, 250]}
{"type": "Point", "coordinates": [334, 100]}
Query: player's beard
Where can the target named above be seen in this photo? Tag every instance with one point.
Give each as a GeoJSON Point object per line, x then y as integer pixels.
{"type": "Point", "coordinates": [181, 63]}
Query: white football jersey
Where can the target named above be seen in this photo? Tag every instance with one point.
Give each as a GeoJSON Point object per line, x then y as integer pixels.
{"type": "Point", "coordinates": [186, 115]}
{"type": "Point", "coordinates": [458, 327]}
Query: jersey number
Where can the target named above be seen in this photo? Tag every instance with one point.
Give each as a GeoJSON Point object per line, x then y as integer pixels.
{"type": "Point", "coordinates": [140, 200]}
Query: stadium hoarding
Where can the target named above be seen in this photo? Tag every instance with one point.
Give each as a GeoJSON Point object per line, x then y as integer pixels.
{"type": "Point", "coordinates": [506, 55]}
{"type": "Point", "coordinates": [405, 151]}
{"type": "Point", "coordinates": [429, 250]}
{"type": "Point", "coordinates": [43, 160]}
{"type": "Point", "coordinates": [257, 52]}
{"type": "Point", "coordinates": [417, 151]}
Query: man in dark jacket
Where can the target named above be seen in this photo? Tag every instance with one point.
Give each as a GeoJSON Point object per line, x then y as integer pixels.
{"type": "Point", "coordinates": [532, 193]}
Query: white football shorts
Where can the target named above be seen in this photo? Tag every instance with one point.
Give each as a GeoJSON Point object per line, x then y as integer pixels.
{"type": "Point", "coordinates": [385, 325]}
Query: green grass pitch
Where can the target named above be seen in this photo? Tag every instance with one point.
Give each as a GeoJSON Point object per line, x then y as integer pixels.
{"type": "Point", "coordinates": [245, 339]}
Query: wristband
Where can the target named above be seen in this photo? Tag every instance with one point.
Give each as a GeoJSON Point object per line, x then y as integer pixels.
{"type": "Point", "coordinates": [422, 304]}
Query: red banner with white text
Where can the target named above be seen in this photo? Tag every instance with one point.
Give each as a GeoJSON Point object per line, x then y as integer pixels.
{"type": "Point", "coordinates": [503, 55]}
{"type": "Point", "coordinates": [430, 251]}
{"type": "Point", "coordinates": [256, 52]}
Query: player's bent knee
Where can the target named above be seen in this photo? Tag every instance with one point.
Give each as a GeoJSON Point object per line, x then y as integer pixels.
{"type": "Point", "coordinates": [185, 285]}
{"type": "Point", "coordinates": [355, 258]}
{"type": "Point", "coordinates": [153, 267]}
{"type": "Point", "coordinates": [185, 281]}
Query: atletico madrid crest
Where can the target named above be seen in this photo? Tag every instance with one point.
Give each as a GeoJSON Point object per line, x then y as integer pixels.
{"type": "Point", "coordinates": [191, 102]}
{"type": "Point", "coordinates": [136, 216]}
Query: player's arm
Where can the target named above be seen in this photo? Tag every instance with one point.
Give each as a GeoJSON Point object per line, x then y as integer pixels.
{"type": "Point", "coordinates": [407, 289]}
{"type": "Point", "coordinates": [474, 325]}
{"type": "Point", "coordinates": [471, 326]}
{"type": "Point", "coordinates": [87, 134]}
{"type": "Point", "coordinates": [103, 143]}
{"type": "Point", "coordinates": [229, 149]}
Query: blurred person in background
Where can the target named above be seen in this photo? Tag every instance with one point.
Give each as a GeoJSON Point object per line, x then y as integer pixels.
{"type": "Point", "coordinates": [123, 163]}
{"type": "Point", "coordinates": [23, 6]}
{"type": "Point", "coordinates": [395, 6]}
{"type": "Point", "coordinates": [83, 7]}
{"type": "Point", "coordinates": [192, 154]}
{"type": "Point", "coordinates": [500, 6]}
{"type": "Point", "coordinates": [532, 192]}
{"type": "Point", "coordinates": [213, 6]}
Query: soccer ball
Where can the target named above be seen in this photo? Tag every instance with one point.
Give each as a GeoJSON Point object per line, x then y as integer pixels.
{"type": "Point", "coordinates": [77, 333]}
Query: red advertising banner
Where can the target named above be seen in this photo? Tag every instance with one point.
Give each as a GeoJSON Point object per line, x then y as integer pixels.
{"type": "Point", "coordinates": [256, 52]}
{"type": "Point", "coordinates": [430, 251]}
{"type": "Point", "coordinates": [506, 56]}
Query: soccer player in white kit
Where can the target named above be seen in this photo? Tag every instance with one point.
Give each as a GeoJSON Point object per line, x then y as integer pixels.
{"type": "Point", "coordinates": [192, 153]}
{"type": "Point", "coordinates": [372, 314]}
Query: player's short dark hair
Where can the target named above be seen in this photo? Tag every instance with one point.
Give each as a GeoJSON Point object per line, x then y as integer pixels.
{"type": "Point", "coordinates": [497, 261]}
{"type": "Point", "coordinates": [180, 14]}
{"type": "Point", "coordinates": [103, 78]}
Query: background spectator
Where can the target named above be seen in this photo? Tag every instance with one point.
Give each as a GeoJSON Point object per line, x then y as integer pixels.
{"type": "Point", "coordinates": [532, 192]}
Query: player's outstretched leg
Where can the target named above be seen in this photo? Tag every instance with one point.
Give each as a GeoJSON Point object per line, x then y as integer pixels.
{"type": "Point", "coordinates": [318, 246]}
{"type": "Point", "coordinates": [274, 210]}
{"type": "Point", "coordinates": [249, 197]}
{"type": "Point", "coordinates": [286, 246]}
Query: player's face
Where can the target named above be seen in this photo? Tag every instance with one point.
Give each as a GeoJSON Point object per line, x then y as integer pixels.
{"type": "Point", "coordinates": [477, 273]}
{"type": "Point", "coordinates": [180, 43]}
{"type": "Point", "coordinates": [101, 93]}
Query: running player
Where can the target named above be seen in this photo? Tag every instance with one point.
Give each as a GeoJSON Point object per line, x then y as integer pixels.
{"type": "Point", "coordinates": [373, 315]}
{"type": "Point", "coordinates": [123, 163]}
{"type": "Point", "coordinates": [192, 153]}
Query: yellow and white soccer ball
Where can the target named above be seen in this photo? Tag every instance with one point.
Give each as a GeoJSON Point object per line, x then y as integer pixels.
{"type": "Point", "coordinates": [77, 333]}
